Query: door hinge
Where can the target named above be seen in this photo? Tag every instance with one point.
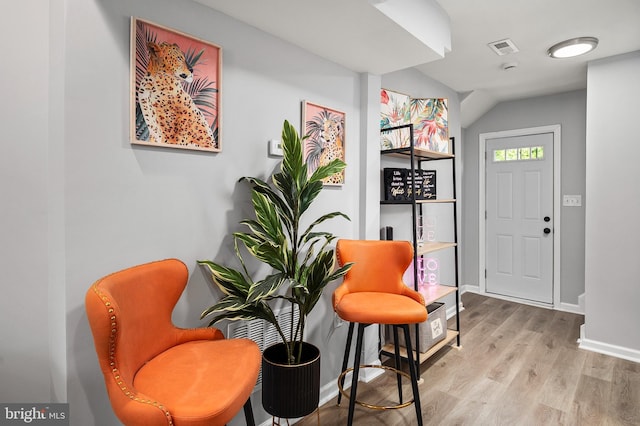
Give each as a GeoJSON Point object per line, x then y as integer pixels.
{"type": "Point", "coordinates": [485, 274]}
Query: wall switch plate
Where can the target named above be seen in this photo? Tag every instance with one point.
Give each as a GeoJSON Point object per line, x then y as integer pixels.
{"type": "Point", "coordinates": [572, 200]}
{"type": "Point", "coordinates": [275, 148]}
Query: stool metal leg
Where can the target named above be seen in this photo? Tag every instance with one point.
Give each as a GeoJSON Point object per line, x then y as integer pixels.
{"type": "Point", "coordinates": [248, 413]}
{"type": "Point", "coordinates": [356, 370]}
{"type": "Point", "coordinates": [413, 373]}
{"type": "Point", "coordinates": [398, 361]}
{"type": "Point", "coordinates": [345, 360]}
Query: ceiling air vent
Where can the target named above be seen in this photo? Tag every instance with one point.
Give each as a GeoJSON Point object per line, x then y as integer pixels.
{"type": "Point", "coordinates": [503, 47]}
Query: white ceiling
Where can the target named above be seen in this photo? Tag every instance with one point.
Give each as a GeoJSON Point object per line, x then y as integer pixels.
{"type": "Point", "coordinates": [355, 34]}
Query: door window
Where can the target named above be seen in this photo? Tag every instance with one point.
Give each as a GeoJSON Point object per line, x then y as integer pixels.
{"type": "Point", "coordinates": [518, 154]}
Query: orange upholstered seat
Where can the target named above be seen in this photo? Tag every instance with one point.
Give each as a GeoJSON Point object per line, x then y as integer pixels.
{"type": "Point", "coordinates": [156, 373]}
{"type": "Point", "coordinates": [380, 308]}
{"type": "Point", "coordinates": [372, 292]}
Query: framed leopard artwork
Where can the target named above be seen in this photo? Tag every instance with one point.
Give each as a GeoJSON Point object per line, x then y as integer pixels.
{"type": "Point", "coordinates": [325, 131]}
{"type": "Point", "coordinates": [175, 89]}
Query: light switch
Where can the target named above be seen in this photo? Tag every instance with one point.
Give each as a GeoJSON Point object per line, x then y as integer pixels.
{"type": "Point", "coordinates": [572, 200]}
{"type": "Point", "coordinates": [275, 148]}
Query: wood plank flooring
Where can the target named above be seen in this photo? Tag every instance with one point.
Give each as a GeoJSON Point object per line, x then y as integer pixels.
{"type": "Point", "coordinates": [518, 365]}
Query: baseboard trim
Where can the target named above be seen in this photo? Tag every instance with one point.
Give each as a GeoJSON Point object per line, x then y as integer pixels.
{"type": "Point", "coordinates": [607, 348]}
{"type": "Point", "coordinates": [514, 299]}
{"type": "Point", "coordinates": [565, 307]}
{"type": "Point", "coordinates": [570, 307]}
{"type": "Point", "coordinates": [451, 310]}
{"type": "Point", "coordinates": [470, 288]}
{"type": "Point", "coordinates": [329, 391]}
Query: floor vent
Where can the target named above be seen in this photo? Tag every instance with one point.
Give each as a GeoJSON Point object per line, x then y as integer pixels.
{"type": "Point", "coordinates": [263, 333]}
{"type": "Point", "coordinates": [503, 47]}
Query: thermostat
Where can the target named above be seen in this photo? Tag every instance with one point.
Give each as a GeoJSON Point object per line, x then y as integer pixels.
{"type": "Point", "coordinates": [275, 148]}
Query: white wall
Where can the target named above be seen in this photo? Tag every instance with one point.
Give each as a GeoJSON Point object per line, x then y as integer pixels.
{"type": "Point", "coordinates": [568, 110]}
{"type": "Point", "coordinates": [612, 206]}
{"type": "Point", "coordinates": [127, 205]}
{"type": "Point", "coordinates": [27, 362]}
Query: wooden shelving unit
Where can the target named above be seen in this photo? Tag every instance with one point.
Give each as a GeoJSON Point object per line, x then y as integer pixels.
{"type": "Point", "coordinates": [434, 246]}
{"type": "Point", "coordinates": [419, 153]}
{"type": "Point", "coordinates": [432, 293]}
{"type": "Point", "coordinates": [423, 356]}
{"type": "Point", "coordinates": [418, 202]}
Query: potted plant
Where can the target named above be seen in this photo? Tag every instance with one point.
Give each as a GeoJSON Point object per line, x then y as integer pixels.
{"type": "Point", "coordinates": [303, 264]}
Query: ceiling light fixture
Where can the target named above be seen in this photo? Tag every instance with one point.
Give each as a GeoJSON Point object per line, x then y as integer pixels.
{"type": "Point", "coordinates": [573, 47]}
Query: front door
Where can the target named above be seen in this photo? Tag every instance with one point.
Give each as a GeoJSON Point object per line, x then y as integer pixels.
{"type": "Point", "coordinates": [519, 217]}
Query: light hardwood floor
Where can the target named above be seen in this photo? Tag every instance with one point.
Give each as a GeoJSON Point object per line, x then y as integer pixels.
{"type": "Point", "coordinates": [518, 365]}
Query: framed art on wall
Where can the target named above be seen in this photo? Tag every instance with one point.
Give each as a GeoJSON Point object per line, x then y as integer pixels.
{"type": "Point", "coordinates": [430, 124]}
{"type": "Point", "coordinates": [394, 111]}
{"type": "Point", "coordinates": [325, 128]}
{"type": "Point", "coordinates": [175, 89]}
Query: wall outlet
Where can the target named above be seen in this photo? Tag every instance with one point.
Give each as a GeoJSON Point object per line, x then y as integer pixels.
{"type": "Point", "coordinates": [572, 200]}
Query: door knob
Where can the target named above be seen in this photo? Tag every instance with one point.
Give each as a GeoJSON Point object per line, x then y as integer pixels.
{"type": "Point", "coordinates": [547, 218]}
{"type": "Point", "coordinates": [547, 230]}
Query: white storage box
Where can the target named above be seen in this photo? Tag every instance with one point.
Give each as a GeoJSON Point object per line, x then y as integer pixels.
{"type": "Point", "coordinates": [433, 330]}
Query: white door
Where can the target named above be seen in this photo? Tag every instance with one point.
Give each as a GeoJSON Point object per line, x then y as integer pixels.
{"type": "Point", "coordinates": [519, 217]}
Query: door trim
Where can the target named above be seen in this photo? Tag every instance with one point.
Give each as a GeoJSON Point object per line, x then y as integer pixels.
{"type": "Point", "coordinates": [482, 163]}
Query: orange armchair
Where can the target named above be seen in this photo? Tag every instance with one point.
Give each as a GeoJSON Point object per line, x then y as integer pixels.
{"type": "Point", "coordinates": [156, 373]}
{"type": "Point", "coordinates": [372, 292]}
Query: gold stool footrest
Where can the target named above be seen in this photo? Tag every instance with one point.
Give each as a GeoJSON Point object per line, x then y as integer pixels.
{"type": "Point", "coordinates": [372, 406]}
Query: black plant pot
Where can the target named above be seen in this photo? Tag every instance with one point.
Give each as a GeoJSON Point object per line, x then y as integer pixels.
{"type": "Point", "coordinates": [290, 391]}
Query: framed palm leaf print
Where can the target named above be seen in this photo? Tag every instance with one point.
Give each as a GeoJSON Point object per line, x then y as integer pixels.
{"type": "Point", "coordinates": [325, 131]}
{"type": "Point", "coordinates": [394, 111]}
{"type": "Point", "coordinates": [175, 89]}
{"type": "Point", "coordinates": [431, 124]}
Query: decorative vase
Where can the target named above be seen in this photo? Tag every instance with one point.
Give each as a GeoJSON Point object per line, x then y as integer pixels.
{"type": "Point", "coordinates": [290, 391]}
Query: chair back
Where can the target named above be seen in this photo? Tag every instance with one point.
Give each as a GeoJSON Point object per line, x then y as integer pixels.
{"type": "Point", "coordinates": [378, 265]}
{"type": "Point", "coordinates": [130, 314]}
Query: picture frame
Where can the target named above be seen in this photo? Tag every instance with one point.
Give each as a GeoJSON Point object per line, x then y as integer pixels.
{"type": "Point", "coordinates": [429, 117]}
{"type": "Point", "coordinates": [395, 138]}
{"type": "Point", "coordinates": [394, 111]}
{"type": "Point", "coordinates": [175, 89]}
{"type": "Point", "coordinates": [325, 131]}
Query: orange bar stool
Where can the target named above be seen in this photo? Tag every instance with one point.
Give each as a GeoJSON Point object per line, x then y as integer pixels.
{"type": "Point", "coordinates": [372, 292]}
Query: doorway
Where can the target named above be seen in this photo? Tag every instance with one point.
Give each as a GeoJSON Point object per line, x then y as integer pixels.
{"type": "Point", "coordinates": [519, 214]}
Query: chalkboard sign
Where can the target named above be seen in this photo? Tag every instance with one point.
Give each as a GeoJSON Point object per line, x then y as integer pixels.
{"type": "Point", "coordinates": [428, 184]}
{"type": "Point", "coordinates": [399, 184]}
{"type": "Point", "coordinates": [395, 185]}
{"type": "Point", "coordinates": [424, 183]}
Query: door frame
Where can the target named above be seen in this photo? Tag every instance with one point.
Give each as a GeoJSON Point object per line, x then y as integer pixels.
{"type": "Point", "coordinates": [482, 163]}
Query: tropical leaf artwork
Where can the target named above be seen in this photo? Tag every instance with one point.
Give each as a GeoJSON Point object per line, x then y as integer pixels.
{"type": "Point", "coordinates": [394, 111]}
{"type": "Point", "coordinates": [202, 89]}
{"type": "Point", "coordinates": [394, 138]}
{"type": "Point", "coordinates": [430, 124]}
